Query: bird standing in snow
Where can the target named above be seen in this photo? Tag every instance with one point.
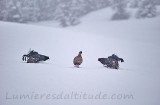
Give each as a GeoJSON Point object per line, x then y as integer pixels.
{"type": "Point", "coordinates": [78, 60]}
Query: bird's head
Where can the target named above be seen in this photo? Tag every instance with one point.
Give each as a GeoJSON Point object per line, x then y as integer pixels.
{"type": "Point", "coordinates": [80, 52]}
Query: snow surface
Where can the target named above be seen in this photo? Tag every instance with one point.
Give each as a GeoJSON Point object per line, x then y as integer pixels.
{"type": "Point", "coordinates": [136, 41]}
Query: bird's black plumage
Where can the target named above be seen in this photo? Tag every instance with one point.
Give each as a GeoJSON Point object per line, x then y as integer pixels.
{"type": "Point", "coordinates": [103, 60]}
{"type": "Point", "coordinates": [34, 57]}
{"type": "Point", "coordinates": [111, 61]}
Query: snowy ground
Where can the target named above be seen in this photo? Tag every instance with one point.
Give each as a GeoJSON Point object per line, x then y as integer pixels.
{"type": "Point", "coordinates": [49, 83]}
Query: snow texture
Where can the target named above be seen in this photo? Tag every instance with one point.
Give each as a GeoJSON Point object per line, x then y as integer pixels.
{"type": "Point", "coordinates": [57, 81]}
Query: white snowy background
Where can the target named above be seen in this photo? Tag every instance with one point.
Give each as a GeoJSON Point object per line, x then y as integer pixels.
{"type": "Point", "coordinates": [136, 41]}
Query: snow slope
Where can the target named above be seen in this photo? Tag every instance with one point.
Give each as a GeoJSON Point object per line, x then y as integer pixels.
{"type": "Point", "coordinates": [48, 83]}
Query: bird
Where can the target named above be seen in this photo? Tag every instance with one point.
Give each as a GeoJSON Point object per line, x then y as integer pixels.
{"type": "Point", "coordinates": [34, 57]}
{"type": "Point", "coordinates": [108, 62]}
{"type": "Point", "coordinates": [78, 59]}
{"type": "Point", "coordinates": [111, 61]}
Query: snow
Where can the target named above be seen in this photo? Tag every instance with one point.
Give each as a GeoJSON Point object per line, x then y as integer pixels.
{"type": "Point", "coordinates": [136, 41]}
